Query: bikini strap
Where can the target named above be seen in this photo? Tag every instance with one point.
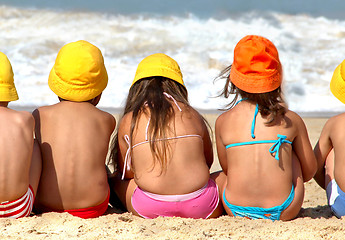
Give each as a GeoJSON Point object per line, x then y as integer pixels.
{"type": "Point", "coordinates": [254, 120]}
{"type": "Point", "coordinates": [148, 123]}
{"type": "Point", "coordinates": [255, 115]}
{"type": "Point", "coordinates": [276, 146]}
{"type": "Point", "coordinates": [240, 101]}
{"type": "Point", "coordinates": [127, 163]}
{"type": "Point", "coordinates": [128, 158]}
{"type": "Point", "coordinates": [172, 98]}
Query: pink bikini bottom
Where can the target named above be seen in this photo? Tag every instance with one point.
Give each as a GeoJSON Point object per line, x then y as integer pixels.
{"type": "Point", "coordinates": [198, 204]}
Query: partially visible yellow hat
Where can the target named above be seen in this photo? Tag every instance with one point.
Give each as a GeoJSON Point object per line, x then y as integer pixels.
{"type": "Point", "coordinates": [160, 65]}
{"type": "Point", "coordinates": [337, 84]}
{"type": "Point", "coordinates": [79, 73]}
{"type": "Point", "coordinates": [8, 90]}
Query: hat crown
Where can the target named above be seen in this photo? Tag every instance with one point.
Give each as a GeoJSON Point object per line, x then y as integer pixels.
{"type": "Point", "coordinates": [8, 90]}
{"type": "Point", "coordinates": [337, 84]}
{"type": "Point", "coordinates": [79, 73]}
{"type": "Point", "coordinates": [256, 66]}
{"type": "Point", "coordinates": [342, 70]}
{"type": "Point", "coordinates": [159, 65]}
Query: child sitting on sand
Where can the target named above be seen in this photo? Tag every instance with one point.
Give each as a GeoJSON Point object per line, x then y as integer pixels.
{"type": "Point", "coordinates": [263, 148]}
{"type": "Point", "coordinates": [330, 151]}
{"type": "Point", "coordinates": [20, 157]}
{"type": "Point", "coordinates": [74, 135]}
{"type": "Point", "coordinates": [163, 147]}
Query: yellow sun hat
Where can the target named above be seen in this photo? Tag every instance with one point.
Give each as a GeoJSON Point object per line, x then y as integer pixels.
{"type": "Point", "coordinates": [79, 73]}
{"type": "Point", "coordinates": [8, 90]}
{"type": "Point", "coordinates": [337, 84]}
{"type": "Point", "coordinates": [161, 65]}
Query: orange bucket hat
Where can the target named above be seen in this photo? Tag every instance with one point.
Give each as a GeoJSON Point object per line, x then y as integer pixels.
{"type": "Point", "coordinates": [256, 67]}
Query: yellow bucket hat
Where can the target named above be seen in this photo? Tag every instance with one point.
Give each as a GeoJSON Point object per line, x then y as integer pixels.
{"type": "Point", "coordinates": [160, 65]}
{"type": "Point", "coordinates": [8, 90]}
{"type": "Point", "coordinates": [79, 73]}
{"type": "Point", "coordinates": [337, 84]}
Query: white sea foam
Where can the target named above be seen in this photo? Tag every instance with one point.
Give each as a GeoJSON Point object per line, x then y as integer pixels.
{"type": "Point", "coordinates": [310, 49]}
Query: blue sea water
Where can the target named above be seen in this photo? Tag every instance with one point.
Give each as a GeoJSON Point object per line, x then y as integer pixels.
{"type": "Point", "coordinates": [200, 8]}
{"type": "Point", "coordinates": [199, 34]}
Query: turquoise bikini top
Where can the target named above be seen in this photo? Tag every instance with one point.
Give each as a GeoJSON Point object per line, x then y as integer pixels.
{"type": "Point", "coordinates": [276, 143]}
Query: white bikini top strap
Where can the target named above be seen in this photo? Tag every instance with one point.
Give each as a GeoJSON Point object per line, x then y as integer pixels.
{"type": "Point", "coordinates": [172, 98]}
{"type": "Point", "coordinates": [127, 163]}
{"type": "Point", "coordinates": [128, 158]}
{"type": "Point", "coordinates": [147, 129]}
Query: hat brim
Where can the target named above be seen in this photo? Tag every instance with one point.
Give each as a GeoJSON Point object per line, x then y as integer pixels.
{"type": "Point", "coordinates": [8, 93]}
{"type": "Point", "coordinates": [250, 83]}
{"type": "Point", "coordinates": [77, 93]}
{"type": "Point", "coordinates": [159, 72]}
{"type": "Point", "coordinates": [337, 85]}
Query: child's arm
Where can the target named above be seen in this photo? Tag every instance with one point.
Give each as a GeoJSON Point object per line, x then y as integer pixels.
{"type": "Point", "coordinates": [122, 149]}
{"type": "Point", "coordinates": [208, 148]}
{"type": "Point", "coordinates": [221, 150]}
{"type": "Point", "coordinates": [321, 151]}
{"type": "Point", "coordinates": [36, 115]}
{"type": "Point", "coordinates": [303, 149]}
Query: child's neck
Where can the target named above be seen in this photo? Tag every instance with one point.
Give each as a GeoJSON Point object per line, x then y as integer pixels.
{"type": "Point", "coordinates": [3, 104]}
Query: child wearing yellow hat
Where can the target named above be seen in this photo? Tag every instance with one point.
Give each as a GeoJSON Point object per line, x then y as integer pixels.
{"type": "Point", "coordinates": [263, 148]}
{"type": "Point", "coordinates": [162, 148]}
{"type": "Point", "coordinates": [20, 157]}
{"type": "Point", "coordinates": [74, 135]}
{"type": "Point", "coordinates": [330, 151]}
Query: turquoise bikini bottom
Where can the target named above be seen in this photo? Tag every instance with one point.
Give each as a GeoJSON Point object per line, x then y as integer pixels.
{"type": "Point", "coordinates": [272, 213]}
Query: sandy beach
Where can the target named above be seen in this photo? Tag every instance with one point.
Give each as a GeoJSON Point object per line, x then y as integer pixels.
{"type": "Point", "coordinates": [315, 220]}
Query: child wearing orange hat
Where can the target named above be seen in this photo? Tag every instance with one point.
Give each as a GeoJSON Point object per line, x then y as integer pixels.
{"type": "Point", "coordinates": [163, 147]}
{"type": "Point", "coordinates": [74, 135]}
{"type": "Point", "coordinates": [263, 147]}
{"type": "Point", "coordinates": [20, 159]}
{"type": "Point", "coordinates": [330, 151]}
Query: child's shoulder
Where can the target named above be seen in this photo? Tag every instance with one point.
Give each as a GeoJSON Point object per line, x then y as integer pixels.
{"type": "Point", "coordinates": [337, 120]}
{"type": "Point", "coordinates": [22, 118]}
{"type": "Point", "coordinates": [339, 117]}
{"type": "Point", "coordinates": [109, 117]}
{"type": "Point", "coordinates": [232, 113]}
{"type": "Point", "coordinates": [295, 117]}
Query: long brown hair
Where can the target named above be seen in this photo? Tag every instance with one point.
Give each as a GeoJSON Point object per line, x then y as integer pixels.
{"type": "Point", "coordinates": [270, 103]}
{"type": "Point", "coordinates": [147, 97]}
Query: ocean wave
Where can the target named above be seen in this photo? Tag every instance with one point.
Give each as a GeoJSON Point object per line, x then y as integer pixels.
{"type": "Point", "coordinates": [309, 47]}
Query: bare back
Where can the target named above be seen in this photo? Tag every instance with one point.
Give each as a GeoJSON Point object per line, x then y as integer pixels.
{"type": "Point", "coordinates": [74, 139]}
{"type": "Point", "coordinates": [16, 146]}
{"type": "Point", "coordinates": [254, 176]}
{"type": "Point", "coordinates": [188, 165]}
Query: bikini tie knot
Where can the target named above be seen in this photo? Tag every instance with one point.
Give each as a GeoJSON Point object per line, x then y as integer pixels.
{"type": "Point", "coordinates": [127, 163]}
{"type": "Point", "coordinates": [276, 146]}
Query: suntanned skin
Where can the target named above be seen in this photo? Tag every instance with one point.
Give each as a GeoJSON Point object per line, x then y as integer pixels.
{"type": "Point", "coordinates": [74, 139]}
{"type": "Point", "coordinates": [251, 175]}
{"type": "Point", "coordinates": [187, 170]}
{"type": "Point", "coordinates": [330, 153]}
{"type": "Point", "coordinates": [20, 161]}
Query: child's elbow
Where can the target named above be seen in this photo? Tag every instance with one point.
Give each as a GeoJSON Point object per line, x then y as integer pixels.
{"type": "Point", "coordinates": [310, 173]}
